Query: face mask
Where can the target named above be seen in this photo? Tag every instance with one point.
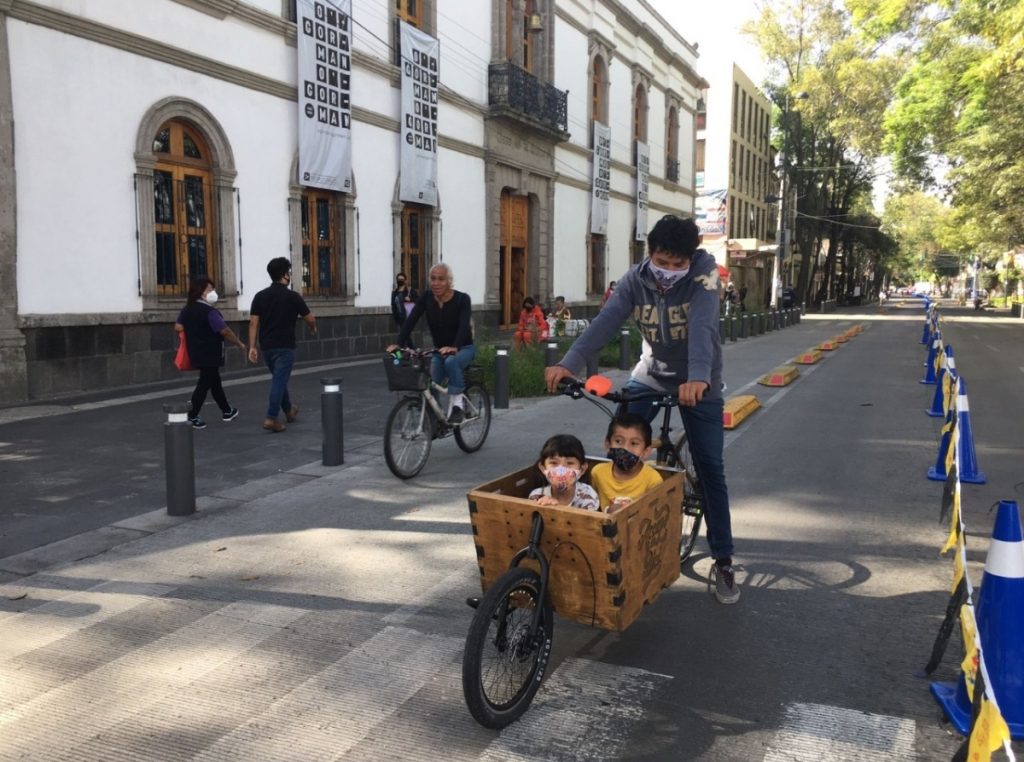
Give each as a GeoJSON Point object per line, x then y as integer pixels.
{"type": "Point", "coordinates": [667, 278]}
{"type": "Point", "coordinates": [401, 283]}
{"type": "Point", "coordinates": [562, 478]}
{"type": "Point", "coordinates": [211, 298]}
{"type": "Point", "coordinates": [623, 459]}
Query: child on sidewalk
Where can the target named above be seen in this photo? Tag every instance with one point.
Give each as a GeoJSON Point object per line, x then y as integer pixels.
{"type": "Point", "coordinates": [627, 477]}
{"type": "Point", "coordinates": [563, 462]}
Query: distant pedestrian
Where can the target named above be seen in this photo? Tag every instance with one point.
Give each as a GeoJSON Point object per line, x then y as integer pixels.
{"type": "Point", "coordinates": [403, 299]}
{"type": "Point", "coordinates": [205, 331]}
{"type": "Point", "coordinates": [743, 298]}
{"type": "Point", "coordinates": [272, 318]}
{"type": "Point", "coordinates": [608, 293]}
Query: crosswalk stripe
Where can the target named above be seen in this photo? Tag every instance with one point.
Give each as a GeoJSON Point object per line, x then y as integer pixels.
{"type": "Point", "coordinates": [812, 732]}
{"type": "Point", "coordinates": [585, 710]}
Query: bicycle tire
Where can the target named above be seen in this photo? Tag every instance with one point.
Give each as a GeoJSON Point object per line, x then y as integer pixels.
{"type": "Point", "coordinates": [693, 501]}
{"type": "Point", "coordinates": [407, 438]}
{"type": "Point", "coordinates": [501, 669]}
{"type": "Point", "coordinates": [471, 434]}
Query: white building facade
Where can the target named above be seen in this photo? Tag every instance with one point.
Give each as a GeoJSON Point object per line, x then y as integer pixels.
{"type": "Point", "coordinates": [143, 144]}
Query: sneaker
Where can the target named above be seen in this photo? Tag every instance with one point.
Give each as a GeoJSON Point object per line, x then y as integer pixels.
{"type": "Point", "coordinates": [292, 414]}
{"type": "Point", "coordinates": [274, 425]}
{"type": "Point", "coordinates": [198, 423]}
{"type": "Point", "coordinates": [231, 415]}
{"type": "Point", "coordinates": [456, 416]}
{"type": "Point", "coordinates": [724, 580]}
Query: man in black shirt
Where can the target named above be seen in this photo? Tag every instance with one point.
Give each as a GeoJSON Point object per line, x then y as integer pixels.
{"type": "Point", "coordinates": [272, 318]}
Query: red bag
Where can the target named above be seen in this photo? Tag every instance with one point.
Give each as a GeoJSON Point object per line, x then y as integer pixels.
{"type": "Point", "coordinates": [181, 360]}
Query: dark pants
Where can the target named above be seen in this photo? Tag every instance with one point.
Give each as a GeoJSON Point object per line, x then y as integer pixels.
{"type": "Point", "coordinates": [280, 362]}
{"type": "Point", "coordinates": [209, 381]}
{"type": "Point", "coordinates": [705, 435]}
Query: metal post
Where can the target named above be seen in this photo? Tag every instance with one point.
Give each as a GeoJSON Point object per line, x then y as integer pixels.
{"type": "Point", "coordinates": [332, 422]}
{"type": "Point", "coordinates": [179, 460]}
{"type": "Point", "coordinates": [625, 362]}
{"type": "Point", "coordinates": [501, 379]}
{"type": "Point", "coordinates": [770, 321]}
{"type": "Point", "coordinates": [551, 353]}
{"type": "Point", "coordinates": [721, 330]}
{"type": "Point", "coordinates": [744, 325]}
{"type": "Point", "coordinates": [732, 328]}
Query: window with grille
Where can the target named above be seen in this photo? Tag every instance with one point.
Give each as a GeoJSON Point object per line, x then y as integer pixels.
{"type": "Point", "coordinates": [410, 11]}
{"type": "Point", "coordinates": [323, 235]}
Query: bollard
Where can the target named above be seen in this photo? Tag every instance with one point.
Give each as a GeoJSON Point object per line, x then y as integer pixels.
{"type": "Point", "coordinates": [721, 330]}
{"type": "Point", "coordinates": [501, 379]}
{"type": "Point", "coordinates": [551, 353]}
{"type": "Point", "coordinates": [744, 325]}
{"type": "Point", "coordinates": [732, 328]}
{"type": "Point", "coordinates": [179, 460]}
{"type": "Point", "coordinates": [592, 369]}
{"type": "Point", "coordinates": [624, 353]}
{"type": "Point", "coordinates": [332, 422]}
{"type": "Point", "coordinates": [769, 321]}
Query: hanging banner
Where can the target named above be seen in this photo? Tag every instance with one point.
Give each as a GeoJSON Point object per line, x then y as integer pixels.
{"type": "Point", "coordinates": [711, 209]}
{"type": "Point", "coordinates": [602, 179]}
{"type": "Point", "coordinates": [643, 176]}
{"type": "Point", "coordinates": [420, 70]}
{"type": "Point", "coordinates": [325, 108]}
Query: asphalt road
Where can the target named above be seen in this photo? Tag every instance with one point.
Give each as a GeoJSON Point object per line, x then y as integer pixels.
{"type": "Point", "coordinates": [837, 540]}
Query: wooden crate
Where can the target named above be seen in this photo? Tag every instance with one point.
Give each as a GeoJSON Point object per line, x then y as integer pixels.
{"type": "Point", "coordinates": [604, 568]}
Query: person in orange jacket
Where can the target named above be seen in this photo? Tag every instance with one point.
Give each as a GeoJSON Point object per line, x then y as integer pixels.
{"type": "Point", "coordinates": [531, 323]}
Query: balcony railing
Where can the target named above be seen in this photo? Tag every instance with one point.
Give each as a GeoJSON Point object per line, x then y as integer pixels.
{"type": "Point", "coordinates": [519, 94]}
{"type": "Point", "coordinates": [672, 170]}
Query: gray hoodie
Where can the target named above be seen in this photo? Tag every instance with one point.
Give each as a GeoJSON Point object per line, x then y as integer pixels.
{"type": "Point", "coordinates": [679, 327]}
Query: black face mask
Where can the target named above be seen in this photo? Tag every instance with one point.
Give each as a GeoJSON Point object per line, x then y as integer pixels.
{"type": "Point", "coordinates": [401, 284]}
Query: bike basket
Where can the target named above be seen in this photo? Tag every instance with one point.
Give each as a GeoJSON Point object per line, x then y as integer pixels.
{"type": "Point", "coordinates": [406, 374]}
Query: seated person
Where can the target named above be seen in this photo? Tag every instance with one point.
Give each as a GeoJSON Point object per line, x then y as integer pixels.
{"type": "Point", "coordinates": [627, 477]}
{"type": "Point", "coordinates": [531, 324]}
{"type": "Point", "coordinates": [559, 312]}
{"type": "Point", "coordinates": [563, 462]}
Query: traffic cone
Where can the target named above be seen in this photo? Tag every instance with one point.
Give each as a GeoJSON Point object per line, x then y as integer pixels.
{"type": "Point", "coordinates": [999, 612]}
{"type": "Point", "coordinates": [948, 366]}
{"type": "Point", "coordinates": [926, 334]}
{"type": "Point", "coordinates": [967, 462]}
{"type": "Point", "coordinates": [929, 373]}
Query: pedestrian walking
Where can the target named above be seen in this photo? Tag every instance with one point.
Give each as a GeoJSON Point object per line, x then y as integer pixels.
{"type": "Point", "coordinates": [673, 297]}
{"type": "Point", "coordinates": [205, 331]}
{"type": "Point", "coordinates": [272, 322]}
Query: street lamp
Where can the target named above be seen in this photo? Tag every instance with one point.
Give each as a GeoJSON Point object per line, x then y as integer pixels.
{"type": "Point", "coordinates": [780, 236]}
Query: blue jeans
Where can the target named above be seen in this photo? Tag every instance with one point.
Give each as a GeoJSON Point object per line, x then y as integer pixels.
{"type": "Point", "coordinates": [706, 438]}
{"type": "Point", "coordinates": [451, 367]}
{"type": "Point", "coordinates": [280, 362]}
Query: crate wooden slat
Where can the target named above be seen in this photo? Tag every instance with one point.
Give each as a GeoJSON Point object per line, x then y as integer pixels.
{"type": "Point", "coordinates": [604, 567]}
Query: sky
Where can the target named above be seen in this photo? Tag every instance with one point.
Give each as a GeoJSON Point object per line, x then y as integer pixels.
{"type": "Point", "coordinates": [715, 27]}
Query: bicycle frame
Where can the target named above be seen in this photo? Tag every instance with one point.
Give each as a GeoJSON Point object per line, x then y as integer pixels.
{"type": "Point", "coordinates": [533, 551]}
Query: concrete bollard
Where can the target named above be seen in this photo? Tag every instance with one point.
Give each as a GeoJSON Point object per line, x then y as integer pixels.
{"type": "Point", "coordinates": [770, 320]}
{"type": "Point", "coordinates": [733, 332]}
{"type": "Point", "coordinates": [625, 361]}
{"type": "Point", "coordinates": [501, 379]}
{"type": "Point", "coordinates": [332, 422]}
{"type": "Point", "coordinates": [551, 353]}
{"type": "Point", "coordinates": [744, 325]}
{"type": "Point", "coordinates": [721, 330]}
{"type": "Point", "coordinates": [179, 460]}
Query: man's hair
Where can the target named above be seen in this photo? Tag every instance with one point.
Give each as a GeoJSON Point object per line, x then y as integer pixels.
{"type": "Point", "coordinates": [630, 421]}
{"type": "Point", "coordinates": [563, 445]}
{"type": "Point", "coordinates": [676, 236]}
{"type": "Point", "coordinates": [197, 287]}
{"type": "Point", "coordinates": [446, 268]}
{"type": "Point", "coordinates": [278, 267]}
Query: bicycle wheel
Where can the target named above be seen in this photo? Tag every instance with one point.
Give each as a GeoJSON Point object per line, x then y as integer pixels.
{"type": "Point", "coordinates": [407, 437]}
{"type": "Point", "coordinates": [693, 500]}
{"type": "Point", "coordinates": [502, 667]}
{"type": "Point", "coordinates": [472, 432]}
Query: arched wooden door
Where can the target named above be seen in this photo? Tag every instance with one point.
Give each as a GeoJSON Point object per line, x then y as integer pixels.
{"type": "Point", "coordinates": [515, 235]}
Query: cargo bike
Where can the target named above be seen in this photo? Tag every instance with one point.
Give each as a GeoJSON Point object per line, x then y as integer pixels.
{"type": "Point", "coordinates": [599, 569]}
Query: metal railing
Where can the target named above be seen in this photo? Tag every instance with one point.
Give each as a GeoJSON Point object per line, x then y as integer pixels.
{"type": "Point", "coordinates": [515, 92]}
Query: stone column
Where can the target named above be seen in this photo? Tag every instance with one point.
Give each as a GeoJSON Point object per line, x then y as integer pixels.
{"type": "Point", "coordinates": [13, 363]}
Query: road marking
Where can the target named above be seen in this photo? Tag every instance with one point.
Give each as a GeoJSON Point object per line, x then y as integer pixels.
{"type": "Point", "coordinates": [733, 435]}
{"type": "Point", "coordinates": [994, 349]}
{"type": "Point", "coordinates": [585, 710]}
{"type": "Point", "coordinates": [812, 732]}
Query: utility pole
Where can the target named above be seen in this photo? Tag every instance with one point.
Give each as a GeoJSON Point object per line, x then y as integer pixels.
{"type": "Point", "coordinates": [781, 239]}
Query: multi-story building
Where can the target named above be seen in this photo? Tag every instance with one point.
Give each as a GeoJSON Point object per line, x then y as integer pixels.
{"type": "Point", "coordinates": [736, 181]}
{"type": "Point", "coordinates": [148, 143]}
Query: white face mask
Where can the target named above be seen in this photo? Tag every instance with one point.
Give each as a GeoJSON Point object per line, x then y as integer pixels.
{"type": "Point", "coordinates": [211, 298]}
{"type": "Point", "coordinates": [667, 278]}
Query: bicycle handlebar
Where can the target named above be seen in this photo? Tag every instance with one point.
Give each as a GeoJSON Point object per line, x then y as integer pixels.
{"type": "Point", "coordinates": [577, 389]}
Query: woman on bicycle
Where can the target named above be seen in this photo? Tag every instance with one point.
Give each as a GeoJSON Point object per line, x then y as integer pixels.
{"type": "Point", "coordinates": [673, 295]}
{"type": "Point", "coordinates": [448, 317]}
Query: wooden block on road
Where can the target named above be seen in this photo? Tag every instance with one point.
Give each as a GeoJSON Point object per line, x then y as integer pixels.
{"type": "Point", "coordinates": [828, 345]}
{"type": "Point", "coordinates": [809, 357]}
{"type": "Point", "coordinates": [738, 408]}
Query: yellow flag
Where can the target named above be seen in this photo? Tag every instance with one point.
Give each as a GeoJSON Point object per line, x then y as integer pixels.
{"type": "Point", "coordinates": [954, 525]}
{"type": "Point", "coordinates": [968, 627]}
{"type": "Point", "coordinates": [988, 734]}
{"type": "Point", "coordinates": [970, 667]}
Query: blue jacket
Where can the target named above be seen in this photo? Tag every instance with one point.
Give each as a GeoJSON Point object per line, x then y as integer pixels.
{"type": "Point", "coordinates": [679, 327]}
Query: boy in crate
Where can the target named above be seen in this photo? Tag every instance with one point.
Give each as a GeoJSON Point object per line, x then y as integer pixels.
{"type": "Point", "coordinates": [562, 462]}
{"type": "Point", "coordinates": [626, 477]}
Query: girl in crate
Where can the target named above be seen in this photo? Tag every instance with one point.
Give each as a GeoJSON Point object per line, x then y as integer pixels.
{"type": "Point", "coordinates": [562, 462]}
